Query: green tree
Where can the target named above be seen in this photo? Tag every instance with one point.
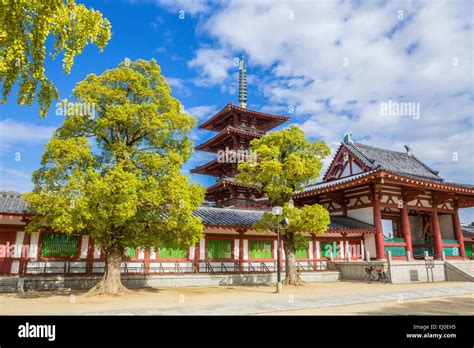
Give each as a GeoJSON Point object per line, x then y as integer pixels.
{"type": "Point", "coordinates": [25, 26]}
{"type": "Point", "coordinates": [116, 176]}
{"type": "Point", "coordinates": [287, 162]}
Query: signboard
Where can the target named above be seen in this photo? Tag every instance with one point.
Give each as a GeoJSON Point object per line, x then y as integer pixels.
{"type": "Point", "coordinates": [429, 262]}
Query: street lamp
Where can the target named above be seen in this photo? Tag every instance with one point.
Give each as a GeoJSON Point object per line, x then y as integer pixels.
{"type": "Point", "coordinates": [278, 211]}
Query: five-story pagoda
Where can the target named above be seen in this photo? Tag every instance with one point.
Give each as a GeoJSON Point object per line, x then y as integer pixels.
{"type": "Point", "coordinates": [236, 127]}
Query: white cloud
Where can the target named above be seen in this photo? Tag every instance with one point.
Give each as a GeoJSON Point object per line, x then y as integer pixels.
{"type": "Point", "coordinates": [213, 66]}
{"type": "Point", "coordinates": [15, 132]}
{"type": "Point", "coordinates": [190, 6]}
{"type": "Point", "coordinates": [178, 84]}
{"type": "Point", "coordinates": [202, 111]}
{"type": "Point", "coordinates": [302, 47]}
{"type": "Point", "coordinates": [15, 180]}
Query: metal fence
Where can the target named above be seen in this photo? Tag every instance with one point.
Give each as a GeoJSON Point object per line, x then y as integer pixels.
{"type": "Point", "coordinates": [89, 267]}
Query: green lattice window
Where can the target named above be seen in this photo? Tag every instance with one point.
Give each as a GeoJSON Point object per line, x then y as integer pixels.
{"type": "Point", "coordinates": [468, 249]}
{"type": "Point", "coordinates": [59, 245]}
{"type": "Point", "coordinates": [396, 250]}
{"type": "Point", "coordinates": [165, 252]}
{"type": "Point", "coordinates": [327, 247]}
{"type": "Point", "coordinates": [219, 249]}
{"type": "Point", "coordinates": [131, 251]}
{"type": "Point", "coordinates": [301, 253]}
{"type": "Point", "coordinates": [394, 240]}
{"type": "Point", "coordinates": [449, 241]}
{"type": "Point", "coordinates": [451, 251]}
{"type": "Point", "coordinates": [420, 251]}
{"type": "Point", "coordinates": [260, 249]}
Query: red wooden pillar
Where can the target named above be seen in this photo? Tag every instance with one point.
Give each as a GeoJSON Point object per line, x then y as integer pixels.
{"type": "Point", "coordinates": [438, 243]}
{"type": "Point", "coordinates": [241, 251]}
{"type": "Point", "coordinates": [379, 242]}
{"type": "Point", "coordinates": [458, 233]}
{"type": "Point", "coordinates": [406, 229]}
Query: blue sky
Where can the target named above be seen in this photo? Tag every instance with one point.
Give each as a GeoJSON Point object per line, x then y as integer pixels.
{"type": "Point", "coordinates": [333, 62]}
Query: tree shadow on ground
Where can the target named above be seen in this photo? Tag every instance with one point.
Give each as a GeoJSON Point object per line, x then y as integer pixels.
{"type": "Point", "coordinates": [445, 306]}
{"type": "Point", "coordinates": [34, 294]}
{"type": "Point", "coordinates": [31, 294]}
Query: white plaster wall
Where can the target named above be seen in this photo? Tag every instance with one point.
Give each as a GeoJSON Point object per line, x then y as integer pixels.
{"type": "Point", "coordinates": [34, 245]}
{"type": "Point", "coordinates": [15, 269]}
{"type": "Point", "coordinates": [310, 249]}
{"type": "Point", "coordinates": [202, 249]}
{"type": "Point", "coordinates": [369, 242]}
{"type": "Point", "coordinates": [96, 252]}
{"type": "Point", "coordinates": [246, 249]}
{"type": "Point", "coordinates": [236, 249]}
{"type": "Point", "coordinates": [318, 250]}
{"type": "Point", "coordinates": [18, 244]}
{"type": "Point", "coordinates": [84, 246]}
{"type": "Point", "coordinates": [191, 253]}
{"type": "Point", "coordinates": [446, 225]}
{"type": "Point", "coordinates": [363, 214]}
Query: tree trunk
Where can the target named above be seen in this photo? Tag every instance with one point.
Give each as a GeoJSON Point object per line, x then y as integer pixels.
{"type": "Point", "coordinates": [111, 282]}
{"type": "Point", "coordinates": [292, 277]}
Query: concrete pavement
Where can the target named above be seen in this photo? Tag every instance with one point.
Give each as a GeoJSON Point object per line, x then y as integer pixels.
{"type": "Point", "coordinates": [292, 302]}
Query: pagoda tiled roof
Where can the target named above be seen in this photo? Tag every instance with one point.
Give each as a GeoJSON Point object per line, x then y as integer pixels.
{"type": "Point", "coordinates": [276, 120]}
{"type": "Point", "coordinates": [206, 169]}
{"type": "Point", "coordinates": [224, 133]}
{"type": "Point", "coordinates": [227, 181]}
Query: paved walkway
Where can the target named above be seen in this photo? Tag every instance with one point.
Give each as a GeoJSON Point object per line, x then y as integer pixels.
{"type": "Point", "coordinates": [293, 302]}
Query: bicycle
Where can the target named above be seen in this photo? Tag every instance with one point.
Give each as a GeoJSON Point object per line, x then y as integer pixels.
{"type": "Point", "coordinates": [376, 274]}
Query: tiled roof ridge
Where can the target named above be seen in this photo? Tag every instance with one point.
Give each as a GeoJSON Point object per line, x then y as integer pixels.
{"type": "Point", "coordinates": [224, 130]}
{"type": "Point", "coordinates": [355, 151]}
{"type": "Point", "coordinates": [397, 152]}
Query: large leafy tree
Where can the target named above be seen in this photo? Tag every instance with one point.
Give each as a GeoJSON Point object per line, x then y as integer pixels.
{"type": "Point", "coordinates": [25, 27]}
{"type": "Point", "coordinates": [286, 162]}
{"type": "Point", "coordinates": [116, 176]}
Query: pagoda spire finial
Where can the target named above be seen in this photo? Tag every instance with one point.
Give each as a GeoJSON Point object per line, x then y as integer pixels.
{"type": "Point", "coordinates": [242, 82]}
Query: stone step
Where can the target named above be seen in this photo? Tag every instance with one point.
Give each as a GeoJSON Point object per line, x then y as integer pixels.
{"type": "Point", "coordinates": [466, 266]}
